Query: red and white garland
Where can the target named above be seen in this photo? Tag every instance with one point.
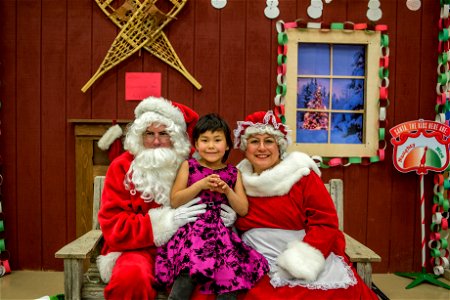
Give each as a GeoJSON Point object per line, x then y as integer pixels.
{"type": "Point", "coordinates": [439, 232]}
{"type": "Point", "coordinates": [383, 73]}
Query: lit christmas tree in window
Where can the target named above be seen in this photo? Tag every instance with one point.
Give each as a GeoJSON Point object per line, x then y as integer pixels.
{"type": "Point", "coordinates": [316, 119]}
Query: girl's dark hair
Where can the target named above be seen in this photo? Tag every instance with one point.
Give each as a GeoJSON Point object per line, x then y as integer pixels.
{"type": "Point", "coordinates": [213, 122]}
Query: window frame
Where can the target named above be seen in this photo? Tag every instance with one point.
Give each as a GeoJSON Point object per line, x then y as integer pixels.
{"type": "Point", "coordinates": [372, 40]}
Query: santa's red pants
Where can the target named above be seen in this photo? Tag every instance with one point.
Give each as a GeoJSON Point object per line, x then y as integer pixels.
{"type": "Point", "coordinates": [132, 277]}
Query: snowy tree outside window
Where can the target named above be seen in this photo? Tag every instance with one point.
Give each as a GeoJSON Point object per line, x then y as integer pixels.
{"type": "Point", "coordinates": [332, 95]}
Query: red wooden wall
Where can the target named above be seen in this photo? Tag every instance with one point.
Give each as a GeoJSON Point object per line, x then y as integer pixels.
{"type": "Point", "coordinates": [50, 48]}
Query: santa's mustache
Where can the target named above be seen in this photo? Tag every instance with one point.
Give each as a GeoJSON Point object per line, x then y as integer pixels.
{"type": "Point", "coordinates": [150, 159]}
{"type": "Point", "coordinates": [152, 173]}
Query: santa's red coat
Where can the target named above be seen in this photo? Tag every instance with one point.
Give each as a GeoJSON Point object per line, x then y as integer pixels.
{"type": "Point", "coordinates": [124, 217]}
{"type": "Point", "coordinates": [129, 247]}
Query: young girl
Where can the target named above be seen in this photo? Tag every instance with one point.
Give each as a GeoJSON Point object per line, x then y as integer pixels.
{"type": "Point", "coordinates": [206, 252]}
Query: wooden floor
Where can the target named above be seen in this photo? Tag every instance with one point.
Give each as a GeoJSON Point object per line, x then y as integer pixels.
{"type": "Point", "coordinates": [394, 287]}
{"type": "Point", "coordinates": [34, 285]}
{"type": "Point", "coordinates": [31, 285]}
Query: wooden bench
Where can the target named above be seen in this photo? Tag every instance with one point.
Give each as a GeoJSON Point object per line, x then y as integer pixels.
{"type": "Point", "coordinates": [360, 255]}
{"type": "Point", "coordinates": [82, 253]}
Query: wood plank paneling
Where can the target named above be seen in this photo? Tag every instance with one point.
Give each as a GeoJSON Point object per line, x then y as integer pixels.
{"type": "Point", "coordinates": [104, 90]}
{"type": "Point", "coordinates": [427, 101]}
{"type": "Point", "coordinates": [125, 108]}
{"type": "Point", "coordinates": [356, 217]}
{"type": "Point", "coordinates": [153, 64]}
{"type": "Point", "coordinates": [8, 135]}
{"type": "Point", "coordinates": [181, 35]}
{"type": "Point", "coordinates": [50, 49]}
{"type": "Point", "coordinates": [53, 117]}
{"type": "Point", "coordinates": [207, 56]}
{"type": "Point", "coordinates": [78, 104]}
{"type": "Point", "coordinates": [232, 51]}
{"type": "Point", "coordinates": [258, 62]}
{"type": "Point", "coordinates": [380, 196]}
{"type": "Point", "coordinates": [233, 46]}
{"type": "Point", "coordinates": [29, 167]}
{"type": "Point", "coordinates": [405, 188]}
{"type": "Point", "coordinates": [79, 57]}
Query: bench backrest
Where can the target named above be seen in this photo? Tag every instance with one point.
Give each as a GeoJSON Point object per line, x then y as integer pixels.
{"type": "Point", "coordinates": [99, 181]}
{"type": "Point", "coordinates": [335, 187]}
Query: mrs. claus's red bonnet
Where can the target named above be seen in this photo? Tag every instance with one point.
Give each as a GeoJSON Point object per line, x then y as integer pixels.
{"type": "Point", "coordinates": [260, 122]}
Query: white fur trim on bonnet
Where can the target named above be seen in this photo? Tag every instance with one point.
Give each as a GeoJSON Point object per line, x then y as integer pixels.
{"type": "Point", "coordinates": [260, 123]}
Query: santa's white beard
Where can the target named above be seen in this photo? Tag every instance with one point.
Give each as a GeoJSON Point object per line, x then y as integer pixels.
{"type": "Point", "coordinates": [152, 173]}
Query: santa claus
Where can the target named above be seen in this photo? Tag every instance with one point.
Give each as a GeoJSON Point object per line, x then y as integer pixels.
{"type": "Point", "coordinates": [135, 214]}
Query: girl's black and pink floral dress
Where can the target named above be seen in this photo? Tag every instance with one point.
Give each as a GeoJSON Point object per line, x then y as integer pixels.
{"type": "Point", "coordinates": [211, 253]}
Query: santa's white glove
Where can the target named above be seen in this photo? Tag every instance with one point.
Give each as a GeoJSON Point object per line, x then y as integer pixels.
{"type": "Point", "coordinates": [188, 212]}
{"type": "Point", "coordinates": [228, 215]}
{"type": "Point", "coordinates": [166, 221]}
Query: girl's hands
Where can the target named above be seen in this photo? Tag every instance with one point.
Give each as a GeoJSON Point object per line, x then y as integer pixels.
{"type": "Point", "coordinates": [222, 187]}
{"type": "Point", "coordinates": [215, 184]}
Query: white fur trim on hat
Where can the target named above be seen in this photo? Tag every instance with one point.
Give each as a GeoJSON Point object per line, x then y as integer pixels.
{"type": "Point", "coordinates": [302, 261]}
{"type": "Point", "coordinates": [113, 133]}
{"type": "Point", "coordinates": [106, 263]}
{"type": "Point", "coordinates": [163, 107]}
{"type": "Point", "coordinates": [278, 180]}
{"type": "Point", "coordinates": [162, 219]}
{"type": "Point", "coordinates": [268, 125]}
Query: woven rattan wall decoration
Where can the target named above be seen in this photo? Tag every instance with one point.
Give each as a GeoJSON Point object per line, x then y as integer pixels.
{"type": "Point", "coordinates": [141, 24]}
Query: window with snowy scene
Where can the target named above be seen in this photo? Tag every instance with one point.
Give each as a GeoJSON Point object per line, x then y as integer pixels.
{"type": "Point", "coordinates": [332, 92]}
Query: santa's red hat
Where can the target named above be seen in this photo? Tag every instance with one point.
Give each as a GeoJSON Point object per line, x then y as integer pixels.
{"type": "Point", "coordinates": [261, 122]}
{"type": "Point", "coordinates": [178, 119]}
{"type": "Point", "coordinates": [111, 140]}
{"type": "Point", "coordinates": [161, 108]}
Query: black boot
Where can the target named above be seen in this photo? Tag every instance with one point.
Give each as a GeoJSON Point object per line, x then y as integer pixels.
{"type": "Point", "coordinates": [182, 287]}
{"type": "Point", "coordinates": [227, 296]}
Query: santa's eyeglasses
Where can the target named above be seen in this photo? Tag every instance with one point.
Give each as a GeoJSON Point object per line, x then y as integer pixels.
{"type": "Point", "coordinates": [163, 136]}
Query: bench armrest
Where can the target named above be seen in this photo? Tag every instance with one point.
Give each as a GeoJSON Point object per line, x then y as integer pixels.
{"type": "Point", "coordinates": [82, 247]}
{"type": "Point", "coordinates": [358, 252]}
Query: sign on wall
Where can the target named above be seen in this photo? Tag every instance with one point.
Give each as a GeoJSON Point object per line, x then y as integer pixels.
{"type": "Point", "coordinates": [421, 146]}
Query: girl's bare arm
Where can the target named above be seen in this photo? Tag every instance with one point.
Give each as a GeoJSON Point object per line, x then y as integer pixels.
{"type": "Point", "coordinates": [181, 193]}
{"type": "Point", "coordinates": [237, 197]}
